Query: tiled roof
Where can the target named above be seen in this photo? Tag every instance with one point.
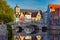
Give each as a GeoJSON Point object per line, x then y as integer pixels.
{"type": "Point", "coordinates": [53, 6]}
{"type": "Point", "coordinates": [26, 13]}
{"type": "Point", "coordinates": [34, 14]}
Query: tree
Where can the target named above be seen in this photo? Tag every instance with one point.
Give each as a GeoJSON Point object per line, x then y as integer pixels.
{"type": "Point", "coordinates": [9, 28]}
{"type": "Point", "coordinates": [6, 15]}
{"type": "Point", "coordinates": [6, 12]}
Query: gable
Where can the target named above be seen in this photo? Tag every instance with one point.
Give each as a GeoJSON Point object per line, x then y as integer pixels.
{"type": "Point", "coordinates": [21, 14]}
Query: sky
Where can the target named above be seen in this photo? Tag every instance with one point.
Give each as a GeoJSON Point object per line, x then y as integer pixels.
{"type": "Point", "coordinates": [32, 4]}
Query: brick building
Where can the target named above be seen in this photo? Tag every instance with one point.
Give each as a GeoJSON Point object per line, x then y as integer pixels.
{"type": "Point", "coordinates": [54, 10]}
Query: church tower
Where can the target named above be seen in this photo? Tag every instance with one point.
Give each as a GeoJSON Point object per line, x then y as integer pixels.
{"type": "Point", "coordinates": [17, 13]}
{"type": "Point", "coordinates": [17, 9]}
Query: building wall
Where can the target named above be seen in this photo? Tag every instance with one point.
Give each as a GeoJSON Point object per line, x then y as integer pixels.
{"type": "Point", "coordinates": [22, 18]}
{"type": "Point", "coordinates": [33, 18]}
{"type": "Point", "coordinates": [48, 15]}
{"type": "Point", "coordinates": [17, 10]}
{"type": "Point", "coordinates": [59, 17]}
{"type": "Point", "coordinates": [17, 13]}
{"type": "Point", "coordinates": [38, 17]}
{"type": "Point", "coordinates": [52, 17]}
{"type": "Point", "coordinates": [55, 17]}
{"type": "Point", "coordinates": [27, 18]}
{"type": "Point", "coordinates": [54, 33]}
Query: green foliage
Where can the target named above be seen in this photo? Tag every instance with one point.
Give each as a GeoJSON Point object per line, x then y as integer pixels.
{"type": "Point", "coordinates": [9, 32]}
{"type": "Point", "coordinates": [6, 13]}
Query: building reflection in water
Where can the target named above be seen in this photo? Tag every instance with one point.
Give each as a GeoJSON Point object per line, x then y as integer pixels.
{"type": "Point", "coordinates": [21, 37]}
